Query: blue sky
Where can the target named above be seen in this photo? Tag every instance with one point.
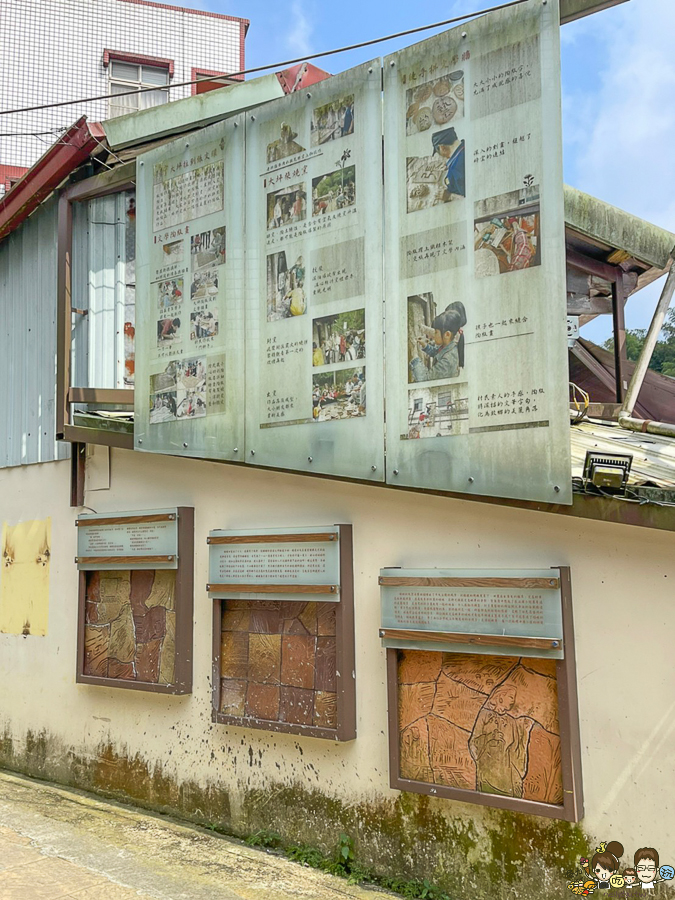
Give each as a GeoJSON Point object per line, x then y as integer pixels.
{"type": "Point", "coordinates": [618, 76]}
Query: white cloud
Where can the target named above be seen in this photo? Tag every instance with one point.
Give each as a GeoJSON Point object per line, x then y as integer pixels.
{"type": "Point", "coordinates": [620, 132]}
{"type": "Point", "coordinates": [298, 38]}
{"type": "Point", "coordinates": [624, 133]}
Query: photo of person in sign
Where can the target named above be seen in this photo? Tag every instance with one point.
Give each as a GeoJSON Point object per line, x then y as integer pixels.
{"type": "Point", "coordinates": [448, 146]}
{"type": "Point", "coordinates": [285, 145]}
{"type": "Point", "coordinates": [439, 178]}
{"type": "Point", "coordinates": [443, 349]}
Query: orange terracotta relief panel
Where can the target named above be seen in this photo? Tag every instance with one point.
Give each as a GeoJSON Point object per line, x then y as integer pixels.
{"type": "Point", "coordinates": [130, 626]}
{"type": "Point", "coordinates": [278, 662]}
{"type": "Point", "coordinates": [479, 722]}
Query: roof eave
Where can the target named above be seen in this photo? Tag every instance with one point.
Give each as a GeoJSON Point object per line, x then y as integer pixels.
{"type": "Point", "coordinates": [593, 218]}
{"type": "Point", "coordinates": [63, 157]}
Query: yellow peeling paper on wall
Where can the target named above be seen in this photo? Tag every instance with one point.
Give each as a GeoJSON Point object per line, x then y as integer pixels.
{"type": "Point", "coordinates": [24, 580]}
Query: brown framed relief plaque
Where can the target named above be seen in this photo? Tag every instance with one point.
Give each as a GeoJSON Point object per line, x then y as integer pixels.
{"type": "Point", "coordinates": [482, 687]}
{"type": "Point", "coordinates": [136, 574]}
{"type": "Point", "coordinates": [283, 630]}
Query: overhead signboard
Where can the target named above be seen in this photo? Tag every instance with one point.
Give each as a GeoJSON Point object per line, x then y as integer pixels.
{"type": "Point", "coordinates": [314, 375]}
{"type": "Point", "coordinates": [189, 389]}
{"type": "Point", "coordinates": [276, 315]}
{"type": "Point", "coordinates": [476, 362]}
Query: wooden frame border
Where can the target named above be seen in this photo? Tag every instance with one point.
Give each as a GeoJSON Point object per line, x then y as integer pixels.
{"type": "Point", "coordinates": [112, 182]}
{"type": "Point", "coordinates": [318, 537]}
{"type": "Point", "coordinates": [274, 589]}
{"type": "Point", "coordinates": [463, 637]}
{"type": "Point", "coordinates": [130, 520]}
{"type": "Point", "coordinates": [572, 809]}
{"type": "Point", "coordinates": [528, 583]}
{"type": "Point", "coordinates": [345, 661]}
{"type": "Point", "coordinates": [182, 683]}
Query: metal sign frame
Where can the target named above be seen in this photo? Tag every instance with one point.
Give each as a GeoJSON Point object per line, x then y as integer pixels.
{"type": "Point", "coordinates": [572, 809]}
{"type": "Point", "coordinates": [184, 602]}
{"type": "Point", "coordinates": [345, 727]}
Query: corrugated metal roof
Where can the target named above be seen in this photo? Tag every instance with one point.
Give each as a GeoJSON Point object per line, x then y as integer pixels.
{"type": "Point", "coordinates": [653, 455]}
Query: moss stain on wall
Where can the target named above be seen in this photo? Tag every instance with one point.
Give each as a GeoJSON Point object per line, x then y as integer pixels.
{"type": "Point", "coordinates": [482, 852]}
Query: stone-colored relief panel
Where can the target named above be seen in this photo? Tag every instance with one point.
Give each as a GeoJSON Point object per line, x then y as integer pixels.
{"type": "Point", "coordinates": [483, 723]}
{"type": "Point", "coordinates": [234, 654]}
{"type": "Point", "coordinates": [543, 781]}
{"type": "Point", "coordinates": [297, 705]}
{"type": "Point", "coordinates": [167, 656]}
{"type": "Point", "coordinates": [418, 666]}
{"type": "Point", "coordinates": [130, 626]}
{"type": "Point", "coordinates": [415, 701]}
{"type": "Point", "coordinates": [96, 642]}
{"type": "Point", "coordinates": [278, 662]}
{"type": "Point", "coordinates": [451, 763]}
{"type": "Point", "coordinates": [262, 701]}
{"type": "Point", "coordinates": [325, 619]}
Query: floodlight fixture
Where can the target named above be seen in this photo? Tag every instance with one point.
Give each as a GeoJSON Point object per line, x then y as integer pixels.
{"type": "Point", "coordinates": [607, 471]}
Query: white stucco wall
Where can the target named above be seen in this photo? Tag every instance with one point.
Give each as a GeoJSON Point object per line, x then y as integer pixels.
{"type": "Point", "coordinates": [622, 581]}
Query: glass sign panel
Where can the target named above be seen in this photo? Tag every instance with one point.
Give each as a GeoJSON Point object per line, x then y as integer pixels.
{"type": "Point", "coordinates": [430, 606]}
{"type": "Point", "coordinates": [308, 559]}
{"type": "Point", "coordinates": [314, 339]}
{"type": "Point", "coordinates": [476, 353]}
{"type": "Point", "coordinates": [142, 539]}
{"type": "Point", "coordinates": [189, 390]}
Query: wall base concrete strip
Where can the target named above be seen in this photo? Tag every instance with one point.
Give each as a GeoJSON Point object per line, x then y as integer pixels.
{"type": "Point", "coordinates": [61, 845]}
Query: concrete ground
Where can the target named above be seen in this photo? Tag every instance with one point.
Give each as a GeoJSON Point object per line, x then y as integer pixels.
{"type": "Point", "coordinates": [57, 844]}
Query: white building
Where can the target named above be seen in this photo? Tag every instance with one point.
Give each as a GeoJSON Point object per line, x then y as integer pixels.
{"type": "Point", "coordinates": [58, 50]}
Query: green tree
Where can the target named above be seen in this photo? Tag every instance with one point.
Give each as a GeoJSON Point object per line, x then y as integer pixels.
{"type": "Point", "coordinates": [663, 358]}
{"type": "Point", "coordinates": [334, 181]}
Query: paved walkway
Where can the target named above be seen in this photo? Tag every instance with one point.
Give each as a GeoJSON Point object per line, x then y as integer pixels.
{"type": "Point", "coordinates": [63, 845]}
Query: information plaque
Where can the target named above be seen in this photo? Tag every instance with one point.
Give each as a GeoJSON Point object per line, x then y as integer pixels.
{"type": "Point", "coordinates": [476, 349]}
{"type": "Point", "coordinates": [135, 598]}
{"type": "Point", "coordinates": [283, 630]}
{"type": "Point", "coordinates": [144, 539]}
{"type": "Point", "coordinates": [189, 388]}
{"type": "Point", "coordinates": [481, 684]}
{"type": "Point", "coordinates": [279, 564]}
{"type": "Point", "coordinates": [314, 342]}
{"type": "Point", "coordinates": [473, 611]}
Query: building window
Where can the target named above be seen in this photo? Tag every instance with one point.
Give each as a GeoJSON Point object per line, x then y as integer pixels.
{"type": "Point", "coordinates": [126, 76]}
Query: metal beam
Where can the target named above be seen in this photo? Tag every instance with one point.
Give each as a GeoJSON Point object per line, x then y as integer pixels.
{"type": "Point", "coordinates": [592, 266]}
{"type": "Point", "coordinates": [570, 10]}
{"type": "Point", "coordinates": [121, 396]}
{"type": "Point", "coordinates": [619, 323]}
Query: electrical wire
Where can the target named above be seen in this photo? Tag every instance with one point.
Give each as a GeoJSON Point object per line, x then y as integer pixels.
{"type": "Point", "coordinates": [33, 133]}
{"type": "Point", "coordinates": [581, 413]}
{"type": "Point", "coordinates": [111, 152]}
{"type": "Point", "coordinates": [579, 487]}
{"type": "Point", "coordinates": [277, 65]}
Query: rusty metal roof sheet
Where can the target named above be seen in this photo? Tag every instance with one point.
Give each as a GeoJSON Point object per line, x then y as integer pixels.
{"type": "Point", "coordinates": [653, 455]}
